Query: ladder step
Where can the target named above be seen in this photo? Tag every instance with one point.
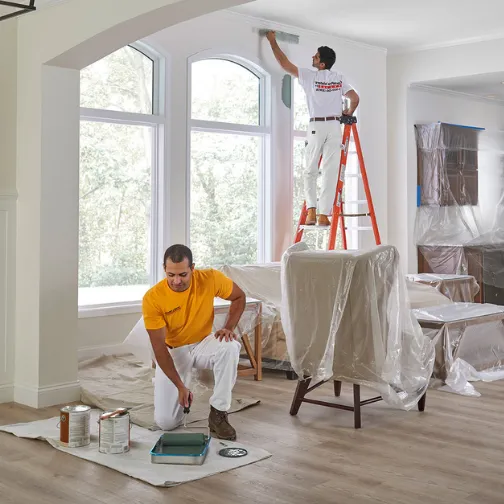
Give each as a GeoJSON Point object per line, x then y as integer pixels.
{"type": "Point", "coordinates": [357, 215]}
{"type": "Point", "coordinates": [355, 202]}
{"type": "Point", "coordinates": [315, 228]}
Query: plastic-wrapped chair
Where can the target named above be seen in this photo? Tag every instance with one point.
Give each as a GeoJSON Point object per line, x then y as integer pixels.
{"type": "Point", "coordinates": [347, 318]}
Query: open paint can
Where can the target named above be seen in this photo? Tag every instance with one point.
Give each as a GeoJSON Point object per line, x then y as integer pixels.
{"type": "Point", "coordinates": [74, 426]}
{"type": "Point", "coordinates": [114, 434]}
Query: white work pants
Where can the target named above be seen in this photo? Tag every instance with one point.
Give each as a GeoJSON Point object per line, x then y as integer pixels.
{"type": "Point", "coordinates": [322, 137]}
{"type": "Point", "coordinates": [220, 356]}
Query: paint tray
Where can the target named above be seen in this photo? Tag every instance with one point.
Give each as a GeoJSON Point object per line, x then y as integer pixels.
{"type": "Point", "coordinates": [184, 447]}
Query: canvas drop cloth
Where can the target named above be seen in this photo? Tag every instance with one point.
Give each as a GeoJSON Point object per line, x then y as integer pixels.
{"type": "Point", "coordinates": [136, 463]}
{"type": "Point", "coordinates": [109, 382]}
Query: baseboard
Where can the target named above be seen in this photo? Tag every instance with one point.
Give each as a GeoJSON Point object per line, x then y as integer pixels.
{"type": "Point", "coordinates": [6, 393]}
{"type": "Point", "coordinates": [91, 352]}
{"type": "Point", "coordinates": [43, 397]}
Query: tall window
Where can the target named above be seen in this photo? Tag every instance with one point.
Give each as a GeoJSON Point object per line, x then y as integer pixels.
{"type": "Point", "coordinates": [118, 172]}
{"type": "Point", "coordinates": [228, 172]}
{"type": "Point", "coordinates": [316, 238]}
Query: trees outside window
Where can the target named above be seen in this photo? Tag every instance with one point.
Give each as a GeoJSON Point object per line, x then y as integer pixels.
{"type": "Point", "coordinates": [228, 162]}
{"type": "Point", "coordinates": [117, 181]}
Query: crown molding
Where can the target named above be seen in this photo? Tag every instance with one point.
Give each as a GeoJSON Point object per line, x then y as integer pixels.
{"type": "Point", "coordinates": [260, 23]}
{"type": "Point", "coordinates": [446, 45]}
{"type": "Point", "coordinates": [457, 94]}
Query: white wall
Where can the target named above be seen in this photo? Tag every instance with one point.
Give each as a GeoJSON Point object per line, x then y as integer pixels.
{"type": "Point", "coordinates": [44, 296]}
{"type": "Point", "coordinates": [402, 71]}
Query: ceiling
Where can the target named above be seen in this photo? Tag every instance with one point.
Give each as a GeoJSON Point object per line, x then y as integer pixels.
{"type": "Point", "coordinates": [398, 25]}
{"type": "Point", "coordinates": [487, 86]}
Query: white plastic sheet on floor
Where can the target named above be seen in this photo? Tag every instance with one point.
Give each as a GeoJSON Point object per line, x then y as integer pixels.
{"type": "Point", "coordinates": [469, 340]}
{"type": "Point", "coordinates": [346, 316]}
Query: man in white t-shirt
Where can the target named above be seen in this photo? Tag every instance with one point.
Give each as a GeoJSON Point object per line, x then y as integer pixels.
{"type": "Point", "coordinates": [325, 91]}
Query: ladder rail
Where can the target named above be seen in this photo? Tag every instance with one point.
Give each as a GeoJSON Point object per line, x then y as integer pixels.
{"type": "Point", "coordinates": [366, 184]}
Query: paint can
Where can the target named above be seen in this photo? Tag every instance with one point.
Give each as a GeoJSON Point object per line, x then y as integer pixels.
{"type": "Point", "coordinates": [114, 432]}
{"type": "Point", "coordinates": [74, 426]}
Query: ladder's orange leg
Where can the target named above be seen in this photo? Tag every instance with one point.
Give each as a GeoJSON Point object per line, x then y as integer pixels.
{"type": "Point", "coordinates": [343, 233]}
{"type": "Point", "coordinates": [366, 185]}
{"type": "Point", "coordinates": [301, 222]}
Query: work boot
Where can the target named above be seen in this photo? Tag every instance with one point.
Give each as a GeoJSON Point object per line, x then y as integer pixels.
{"type": "Point", "coordinates": [219, 425]}
{"type": "Point", "coordinates": [323, 220]}
{"type": "Point", "coordinates": [311, 218]}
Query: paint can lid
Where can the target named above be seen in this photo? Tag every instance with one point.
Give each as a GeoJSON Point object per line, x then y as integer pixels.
{"type": "Point", "coordinates": [233, 452]}
{"type": "Point", "coordinates": [80, 408]}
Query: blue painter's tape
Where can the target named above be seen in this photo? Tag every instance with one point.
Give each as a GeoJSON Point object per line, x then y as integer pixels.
{"type": "Point", "coordinates": [463, 126]}
{"type": "Point", "coordinates": [418, 197]}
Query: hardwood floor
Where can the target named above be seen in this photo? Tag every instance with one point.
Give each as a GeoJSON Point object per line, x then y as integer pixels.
{"type": "Point", "coordinates": [453, 453]}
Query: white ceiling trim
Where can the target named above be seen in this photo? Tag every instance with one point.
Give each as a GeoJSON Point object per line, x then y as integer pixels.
{"type": "Point", "coordinates": [443, 45]}
{"type": "Point", "coordinates": [261, 23]}
{"type": "Point", "coordinates": [460, 94]}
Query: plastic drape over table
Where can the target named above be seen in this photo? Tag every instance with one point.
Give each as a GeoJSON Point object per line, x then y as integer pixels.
{"type": "Point", "coordinates": [458, 288]}
{"type": "Point", "coordinates": [347, 317]}
{"type": "Point", "coordinates": [469, 340]}
{"type": "Point", "coordinates": [460, 217]}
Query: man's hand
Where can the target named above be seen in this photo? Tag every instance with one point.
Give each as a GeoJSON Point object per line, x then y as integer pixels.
{"type": "Point", "coordinates": [185, 397]}
{"type": "Point", "coordinates": [271, 36]}
{"type": "Point", "coordinates": [225, 334]}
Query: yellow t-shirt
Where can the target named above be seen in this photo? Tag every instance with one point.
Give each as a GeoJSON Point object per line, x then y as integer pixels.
{"type": "Point", "coordinates": [188, 316]}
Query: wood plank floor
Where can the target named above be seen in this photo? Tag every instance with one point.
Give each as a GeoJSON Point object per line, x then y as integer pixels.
{"type": "Point", "coordinates": [453, 453]}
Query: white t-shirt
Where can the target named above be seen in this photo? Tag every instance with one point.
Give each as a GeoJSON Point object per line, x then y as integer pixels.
{"type": "Point", "coordinates": [324, 91]}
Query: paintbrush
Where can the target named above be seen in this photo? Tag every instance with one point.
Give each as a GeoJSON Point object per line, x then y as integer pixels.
{"type": "Point", "coordinates": [281, 36]}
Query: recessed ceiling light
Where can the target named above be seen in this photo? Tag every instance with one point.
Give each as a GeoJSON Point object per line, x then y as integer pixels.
{"type": "Point", "coordinates": [502, 82]}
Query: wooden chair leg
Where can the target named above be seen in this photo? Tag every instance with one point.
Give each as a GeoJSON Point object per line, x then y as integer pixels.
{"type": "Point", "coordinates": [301, 389]}
{"type": "Point", "coordinates": [357, 406]}
{"type": "Point", "coordinates": [421, 403]}
{"type": "Point", "coordinates": [337, 388]}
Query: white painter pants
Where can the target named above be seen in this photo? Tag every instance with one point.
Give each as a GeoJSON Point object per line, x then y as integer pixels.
{"type": "Point", "coordinates": [322, 137]}
{"type": "Point", "coordinates": [220, 356]}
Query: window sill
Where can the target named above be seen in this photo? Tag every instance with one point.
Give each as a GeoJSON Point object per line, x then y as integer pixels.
{"type": "Point", "coordinates": [110, 309]}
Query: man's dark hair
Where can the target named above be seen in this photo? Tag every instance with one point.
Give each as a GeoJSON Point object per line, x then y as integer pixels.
{"type": "Point", "coordinates": [177, 253]}
{"type": "Point", "coordinates": [327, 56]}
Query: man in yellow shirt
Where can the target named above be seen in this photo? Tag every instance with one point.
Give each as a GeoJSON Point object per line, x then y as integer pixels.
{"type": "Point", "coordinates": [178, 314]}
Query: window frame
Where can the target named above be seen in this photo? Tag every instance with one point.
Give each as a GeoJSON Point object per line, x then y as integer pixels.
{"type": "Point", "coordinates": [263, 131]}
{"type": "Point", "coordinates": [353, 236]}
{"type": "Point", "coordinates": [156, 121]}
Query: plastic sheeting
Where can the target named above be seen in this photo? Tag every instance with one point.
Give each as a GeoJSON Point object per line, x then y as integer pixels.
{"type": "Point", "coordinates": [347, 317]}
{"type": "Point", "coordinates": [459, 225]}
{"type": "Point", "coordinates": [469, 341]}
{"type": "Point", "coordinates": [458, 288]}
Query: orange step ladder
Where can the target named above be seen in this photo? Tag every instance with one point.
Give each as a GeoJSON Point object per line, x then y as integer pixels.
{"type": "Point", "coordinates": [338, 214]}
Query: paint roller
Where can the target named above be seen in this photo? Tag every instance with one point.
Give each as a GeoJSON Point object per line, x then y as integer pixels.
{"type": "Point", "coordinates": [289, 38]}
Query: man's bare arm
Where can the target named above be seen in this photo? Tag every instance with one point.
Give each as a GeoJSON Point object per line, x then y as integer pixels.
{"type": "Point", "coordinates": [281, 57]}
{"type": "Point", "coordinates": [354, 102]}
{"type": "Point", "coordinates": [236, 309]}
{"type": "Point", "coordinates": [165, 362]}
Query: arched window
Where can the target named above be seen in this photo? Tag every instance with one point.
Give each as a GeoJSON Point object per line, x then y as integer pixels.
{"type": "Point", "coordinates": [300, 120]}
{"type": "Point", "coordinates": [229, 141]}
{"type": "Point", "coordinates": [118, 165]}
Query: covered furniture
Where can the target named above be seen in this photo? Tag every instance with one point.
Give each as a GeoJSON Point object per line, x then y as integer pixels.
{"type": "Point", "coordinates": [469, 342]}
{"type": "Point", "coordinates": [346, 318]}
{"type": "Point", "coordinates": [457, 288]}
